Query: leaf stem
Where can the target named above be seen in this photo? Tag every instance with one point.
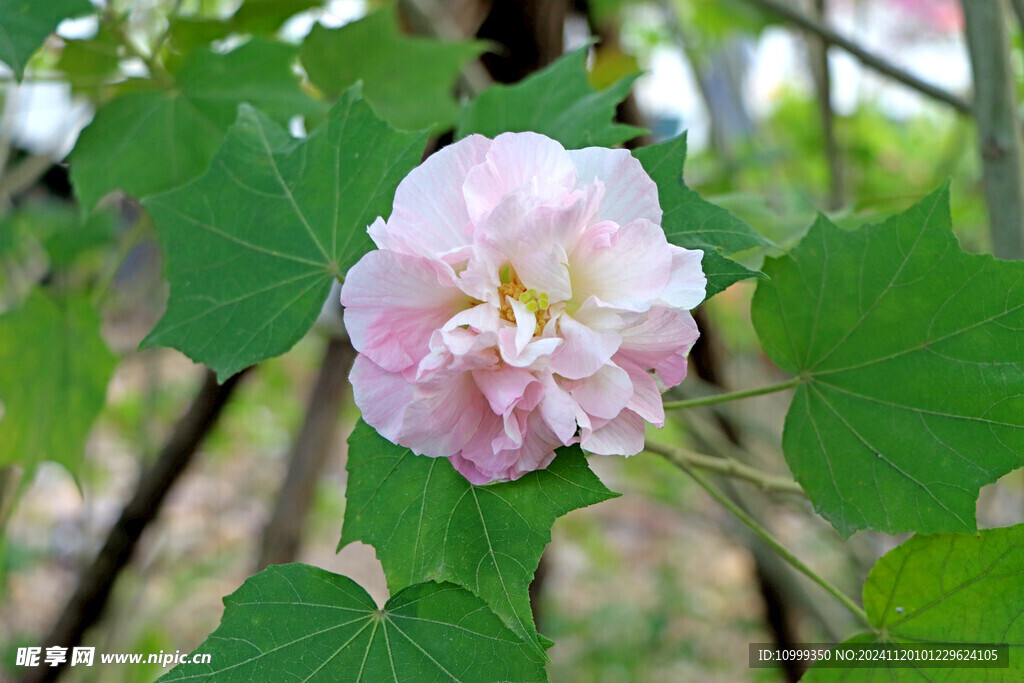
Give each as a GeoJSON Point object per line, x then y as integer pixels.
{"type": "Point", "coordinates": [727, 466]}
{"type": "Point", "coordinates": [732, 395]}
{"type": "Point", "coordinates": [767, 537]}
{"type": "Point", "coordinates": [103, 285]}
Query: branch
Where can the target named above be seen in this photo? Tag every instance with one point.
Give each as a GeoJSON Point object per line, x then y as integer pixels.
{"type": "Point", "coordinates": [775, 545]}
{"type": "Point", "coordinates": [86, 604]}
{"type": "Point", "coordinates": [283, 533]}
{"type": "Point", "coordinates": [727, 466]}
{"type": "Point", "coordinates": [866, 58]}
{"type": "Point", "coordinates": [732, 395]}
{"type": "Point", "coordinates": [999, 135]}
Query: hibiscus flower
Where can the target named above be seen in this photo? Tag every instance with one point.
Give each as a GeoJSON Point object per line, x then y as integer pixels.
{"type": "Point", "coordinates": [522, 298]}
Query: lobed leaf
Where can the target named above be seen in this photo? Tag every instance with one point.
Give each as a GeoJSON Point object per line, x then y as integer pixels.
{"type": "Point", "coordinates": [556, 101]}
{"type": "Point", "coordinates": [428, 523]}
{"type": "Point", "coordinates": [149, 141]}
{"type": "Point", "coordinates": [409, 81]}
{"type": "Point", "coordinates": [296, 622]}
{"type": "Point", "coordinates": [694, 223]}
{"type": "Point", "coordinates": [25, 24]}
{"type": "Point", "coordinates": [947, 588]}
{"type": "Point", "coordinates": [54, 370]}
{"type": "Point", "coordinates": [253, 245]}
{"type": "Point", "coordinates": [912, 356]}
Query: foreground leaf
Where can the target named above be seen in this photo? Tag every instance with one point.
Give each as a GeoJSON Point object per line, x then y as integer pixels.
{"type": "Point", "coordinates": [912, 354]}
{"type": "Point", "coordinates": [427, 522]}
{"type": "Point", "coordinates": [409, 81]}
{"type": "Point", "coordinates": [558, 102]}
{"type": "Point", "coordinates": [54, 369]}
{"type": "Point", "coordinates": [253, 246]}
{"type": "Point", "coordinates": [296, 622]}
{"type": "Point", "coordinates": [949, 588]}
{"type": "Point", "coordinates": [693, 223]}
{"type": "Point", "coordinates": [24, 25]}
{"type": "Point", "coordinates": [145, 142]}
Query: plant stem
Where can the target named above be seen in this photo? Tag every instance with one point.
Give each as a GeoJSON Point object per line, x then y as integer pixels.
{"type": "Point", "coordinates": [732, 395]}
{"type": "Point", "coordinates": [863, 56]}
{"type": "Point", "coordinates": [102, 288]}
{"type": "Point", "coordinates": [726, 466]}
{"type": "Point", "coordinates": [775, 545]}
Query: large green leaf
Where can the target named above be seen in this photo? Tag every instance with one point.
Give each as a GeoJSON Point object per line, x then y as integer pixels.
{"type": "Point", "coordinates": [54, 369]}
{"type": "Point", "coordinates": [409, 81]}
{"type": "Point", "coordinates": [912, 356]}
{"type": "Point", "coordinates": [427, 522]}
{"type": "Point", "coordinates": [24, 25]}
{"type": "Point", "coordinates": [149, 141]}
{"type": "Point", "coordinates": [693, 223]}
{"type": "Point", "coordinates": [558, 102]}
{"type": "Point", "coordinates": [267, 16]}
{"type": "Point", "coordinates": [948, 588]}
{"type": "Point", "coordinates": [302, 623]}
{"type": "Point", "coordinates": [253, 245]}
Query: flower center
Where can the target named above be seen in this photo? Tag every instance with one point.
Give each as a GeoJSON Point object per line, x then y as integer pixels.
{"type": "Point", "coordinates": [536, 302]}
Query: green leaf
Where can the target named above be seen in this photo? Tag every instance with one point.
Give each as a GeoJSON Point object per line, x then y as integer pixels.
{"type": "Point", "coordinates": [24, 25]}
{"type": "Point", "coordinates": [145, 142]}
{"type": "Point", "coordinates": [409, 81]}
{"type": "Point", "coordinates": [558, 102]}
{"type": "Point", "coordinates": [61, 229]}
{"type": "Point", "coordinates": [266, 16]}
{"type": "Point", "coordinates": [693, 223]}
{"type": "Point", "coordinates": [912, 354]}
{"type": "Point", "coordinates": [90, 63]}
{"type": "Point", "coordinates": [252, 246]}
{"type": "Point", "coordinates": [54, 369]}
{"type": "Point", "coordinates": [296, 622]}
{"type": "Point", "coordinates": [947, 588]}
{"type": "Point", "coordinates": [427, 522]}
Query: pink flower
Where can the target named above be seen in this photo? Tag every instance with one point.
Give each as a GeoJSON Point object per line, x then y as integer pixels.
{"type": "Point", "coordinates": [523, 297]}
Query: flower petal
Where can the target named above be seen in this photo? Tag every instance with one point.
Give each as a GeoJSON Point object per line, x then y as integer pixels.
{"type": "Point", "coordinates": [515, 161]}
{"type": "Point", "coordinates": [622, 436]}
{"type": "Point", "coordinates": [628, 268]}
{"type": "Point", "coordinates": [430, 216]}
{"type": "Point", "coordinates": [604, 393]}
{"type": "Point", "coordinates": [661, 342]}
{"type": "Point", "coordinates": [584, 350]}
{"type": "Point", "coordinates": [382, 396]}
{"type": "Point", "coordinates": [444, 415]}
{"type": "Point", "coordinates": [629, 191]}
{"type": "Point", "coordinates": [394, 302]}
{"type": "Point", "coordinates": [687, 283]}
{"type": "Point", "coordinates": [646, 399]}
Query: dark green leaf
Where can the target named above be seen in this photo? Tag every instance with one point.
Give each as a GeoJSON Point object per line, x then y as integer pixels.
{"type": "Point", "coordinates": [693, 223]}
{"type": "Point", "coordinates": [146, 142]}
{"type": "Point", "coordinates": [90, 63]}
{"type": "Point", "coordinates": [409, 81]}
{"type": "Point", "coordinates": [54, 369]}
{"type": "Point", "coordinates": [266, 16]}
{"type": "Point", "coordinates": [253, 245]}
{"type": "Point", "coordinates": [427, 522]}
{"type": "Point", "coordinates": [24, 25]}
{"type": "Point", "coordinates": [948, 588]}
{"type": "Point", "coordinates": [557, 102]}
{"type": "Point", "coordinates": [912, 352]}
{"type": "Point", "coordinates": [296, 622]}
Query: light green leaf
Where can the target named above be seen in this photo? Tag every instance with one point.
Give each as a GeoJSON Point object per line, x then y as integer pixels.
{"type": "Point", "coordinates": [948, 588]}
{"type": "Point", "coordinates": [24, 25]}
{"type": "Point", "coordinates": [409, 81]}
{"type": "Point", "coordinates": [54, 369]}
{"type": "Point", "coordinates": [145, 142]}
{"type": "Point", "coordinates": [558, 102]}
{"type": "Point", "coordinates": [296, 622]}
{"type": "Point", "coordinates": [252, 246]}
{"type": "Point", "coordinates": [427, 522]}
{"type": "Point", "coordinates": [88, 64]}
{"type": "Point", "coordinates": [693, 223]}
{"type": "Point", "coordinates": [912, 352]}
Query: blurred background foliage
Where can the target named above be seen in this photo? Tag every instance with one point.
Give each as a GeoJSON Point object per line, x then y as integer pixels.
{"type": "Point", "coordinates": [656, 585]}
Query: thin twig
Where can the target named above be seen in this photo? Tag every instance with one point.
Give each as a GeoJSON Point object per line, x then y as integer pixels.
{"type": "Point", "coordinates": [732, 395]}
{"type": "Point", "coordinates": [768, 538]}
{"type": "Point", "coordinates": [999, 135]}
{"type": "Point", "coordinates": [90, 597]}
{"type": "Point", "coordinates": [866, 58]}
{"type": "Point", "coordinates": [726, 466]}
